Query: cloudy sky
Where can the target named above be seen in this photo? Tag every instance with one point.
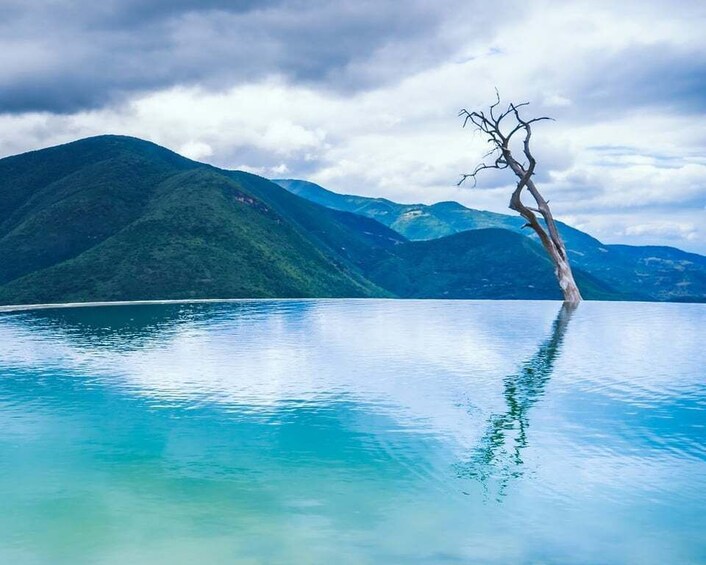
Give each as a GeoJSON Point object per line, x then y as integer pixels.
{"type": "Point", "coordinates": [362, 96]}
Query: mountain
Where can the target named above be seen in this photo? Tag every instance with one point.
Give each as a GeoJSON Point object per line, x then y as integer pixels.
{"type": "Point", "coordinates": [639, 273]}
{"type": "Point", "coordinates": [119, 218]}
{"type": "Point", "coordinates": [111, 218]}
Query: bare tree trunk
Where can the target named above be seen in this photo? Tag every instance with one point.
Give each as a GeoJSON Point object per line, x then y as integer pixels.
{"type": "Point", "coordinates": [550, 238]}
{"type": "Point", "coordinates": [500, 141]}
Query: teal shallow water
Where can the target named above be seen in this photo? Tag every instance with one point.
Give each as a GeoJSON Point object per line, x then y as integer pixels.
{"type": "Point", "coordinates": [354, 432]}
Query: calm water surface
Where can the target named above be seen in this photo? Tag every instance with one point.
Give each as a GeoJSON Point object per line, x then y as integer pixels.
{"type": "Point", "coordinates": [340, 431]}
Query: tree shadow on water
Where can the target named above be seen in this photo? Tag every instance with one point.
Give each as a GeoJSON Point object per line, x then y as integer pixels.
{"type": "Point", "coordinates": [497, 459]}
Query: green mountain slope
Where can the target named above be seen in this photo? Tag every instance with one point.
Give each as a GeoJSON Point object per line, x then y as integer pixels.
{"type": "Point", "coordinates": [483, 263]}
{"type": "Point", "coordinates": [57, 203]}
{"type": "Point", "coordinates": [125, 219]}
{"type": "Point", "coordinates": [646, 273]}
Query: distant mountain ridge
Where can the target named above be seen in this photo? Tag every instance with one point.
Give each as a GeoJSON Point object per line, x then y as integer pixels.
{"type": "Point", "coordinates": [119, 218]}
{"type": "Point", "coordinates": [647, 273]}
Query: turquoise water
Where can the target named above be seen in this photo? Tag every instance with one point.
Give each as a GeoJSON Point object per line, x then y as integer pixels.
{"type": "Point", "coordinates": [344, 431]}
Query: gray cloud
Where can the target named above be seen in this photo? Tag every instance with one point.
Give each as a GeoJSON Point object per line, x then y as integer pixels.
{"type": "Point", "coordinates": [645, 75]}
{"type": "Point", "coordinates": [77, 54]}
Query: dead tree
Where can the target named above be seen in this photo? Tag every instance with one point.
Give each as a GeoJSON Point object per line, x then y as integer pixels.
{"type": "Point", "coordinates": [501, 127]}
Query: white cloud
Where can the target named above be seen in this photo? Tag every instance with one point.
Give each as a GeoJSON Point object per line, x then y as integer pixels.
{"type": "Point", "coordinates": [667, 229]}
{"type": "Point", "coordinates": [196, 150]}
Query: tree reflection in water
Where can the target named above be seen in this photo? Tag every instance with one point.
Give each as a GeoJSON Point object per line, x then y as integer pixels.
{"type": "Point", "coordinates": [498, 457]}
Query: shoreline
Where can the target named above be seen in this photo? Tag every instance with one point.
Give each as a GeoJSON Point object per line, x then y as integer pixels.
{"type": "Point", "coordinates": [10, 308]}
{"type": "Point", "coordinates": [58, 305]}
